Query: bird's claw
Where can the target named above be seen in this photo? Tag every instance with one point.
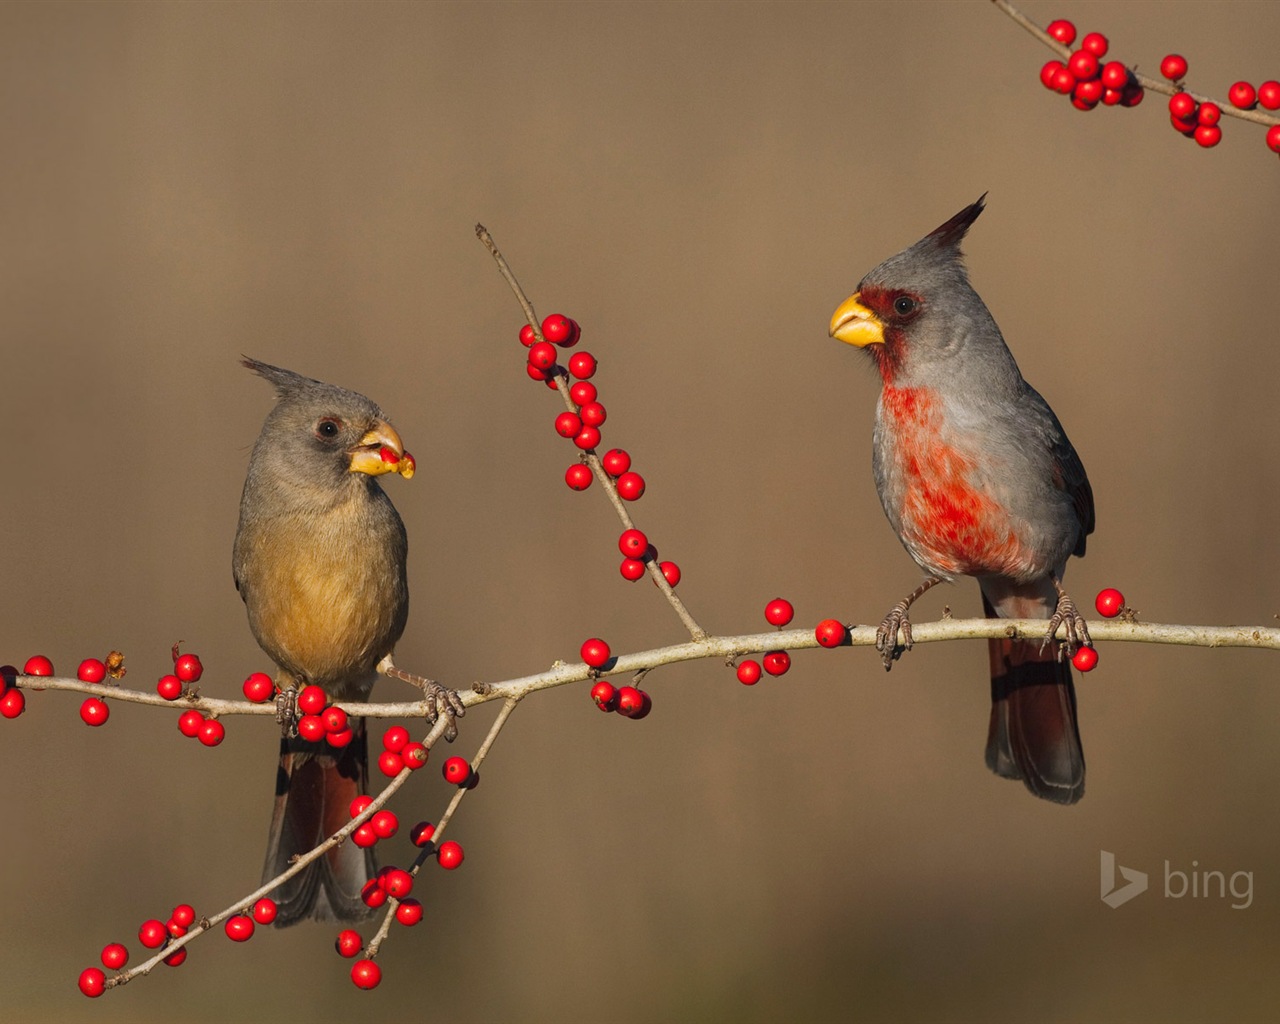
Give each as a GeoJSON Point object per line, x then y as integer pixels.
{"type": "Point", "coordinates": [1077, 631]}
{"type": "Point", "coordinates": [893, 635]}
{"type": "Point", "coordinates": [440, 701]}
{"type": "Point", "coordinates": [287, 711]}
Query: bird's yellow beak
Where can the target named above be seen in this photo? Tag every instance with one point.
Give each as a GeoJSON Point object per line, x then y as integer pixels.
{"type": "Point", "coordinates": [381, 451]}
{"type": "Point", "coordinates": [853, 323]}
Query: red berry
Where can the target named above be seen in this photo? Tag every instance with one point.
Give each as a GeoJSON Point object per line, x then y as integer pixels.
{"type": "Point", "coordinates": [776, 662]}
{"type": "Point", "coordinates": [1049, 72]}
{"type": "Point", "coordinates": [397, 882]}
{"type": "Point", "coordinates": [457, 771]}
{"type": "Point", "coordinates": [264, 911]}
{"type": "Point", "coordinates": [631, 710]}
{"type": "Point", "coordinates": [212, 733]}
{"type": "Point", "coordinates": [12, 703]}
{"type": "Point", "coordinates": [259, 688]}
{"type": "Point", "coordinates": [94, 712]}
{"type": "Point", "coordinates": [527, 335]}
{"type": "Point", "coordinates": [114, 956]}
{"type": "Point", "coordinates": [779, 612]}
{"type": "Point", "coordinates": [1096, 43]}
{"type": "Point", "coordinates": [749, 673]}
{"type": "Point", "coordinates": [595, 652]}
{"type": "Point", "coordinates": [390, 763]}
{"type": "Point", "coordinates": [175, 929]}
{"type": "Point", "coordinates": [449, 855]}
{"type": "Point", "coordinates": [409, 912]}
{"type": "Point", "coordinates": [630, 700]}
{"type": "Point", "coordinates": [364, 836]}
{"type": "Point", "coordinates": [38, 665]}
{"type": "Point", "coordinates": [348, 943]}
{"type": "Point", "coordinates": [92, 981]}
{"type": "Point", "coordinates": [1269, 95]}
{"type": "Point", "coordinates": [187, 667]}
{"type": "Point", "coordinates": [583, 392]}
{"type": "Point", "coordinates": [558, 328]}
{"type": "Point", "coordinates": [1273, 138]}
{"type": "Point", "coordinates": [1132, 95]}
{"type": "Point", "coordinates": [189, 723]}
{"type": "Point", "coordinates": [91, 670]}
{"type": "Point", "coordinates": [177, 958]}
{"type": "Point", "coordinates": [239, 928]}
{"type": "Point", "coordinates": [593, 414]}
{"type": "Point", "coordinates": [1182, 105]}
{"type": "Point", "coordinates": [630, 486]}
{"type": "Point", "coordinates": [578, 476]}
{"type": "Point", "coordinates": [605, 696]}
{"type": "Point", "coordinates": [340, 739]}
{"type": "Point", "coordinates": [311, 728]}
{"type": "Point", "coordinates": [1208, 135]}
{"type": "Point", "coordinates": [1085, 659]}
{"type": "Point", "coordinates": [568, 424]}
{"type": "Point", "coordinates": [414, 756]}
{"type": "Point", "coordinates": [616, 462]}
{"type": "Point", "coordinates": [542, 356]}
{"type": "Point", "coordinates": [1063, 81]}
{"type": "Point", "coordinates": [366, 974]}
{"type": "Point", "coordinates": [372, 894]}
{"type": "Point", "coordinates": [1173, 67]}
{"type": "Point", "coordinates": [395, 738]}
{"type": "Point", "coordinates": [1208, 113]}
{"type": "Point", "coordinates": [1242, 95]}
{"type": "Point", "coordinates": [632, 569]}
{"type": "Point", "coordinates": [1083, 64]}
{"type": "Point", "coordinates": [588, 438]}
{"type": "Point", "coordinates": [385, 824]}
{"type": "Point", "coordinates": [830, 632]}
{"type": "Point", "coordinates": [360, 804]}
{"type": "Point", "coordinates": [1186, 126]}
{"type": "Point", "coordinates": [1081, 103]}
{"type": "Point", "coordinates": [1115, 75]}
{"type": "Point", "coordinates": [312, 700]}
{"type": "Point", "coordinates": [152, 934]}
{"type": "Point", "coordinates": [671, 573]}
{"type": "Point", "coordinates": [184, 915]}
{"type": "Point", "coordinates": [633, 543]}
{"type": "Point", "coordinates": [1063, 31]}
{"type": "Point", "coordinates": [582, 365]}
{"type": "Point", "coordinates": [334, 718]}
{"type": "Point", "coordinates": [421, 833]}
{"type": "Point", "coordinates": [536, 374]}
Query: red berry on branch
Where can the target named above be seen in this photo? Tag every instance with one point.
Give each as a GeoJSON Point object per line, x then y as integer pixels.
{"type": "Point", "coordinates": [631, 702]}
{"type": "Point", "coordinates": [12, 703]}
{"type": "Point", "coordinates": [348, 943]}
{"type": "Point", "coordinates": [414, 756]}
{"type": "Point", "coordinates": [1269, 95]}
{"type": "Point", "coordinates": [1080, 103]}
{"type": "Point", "coordinates": [366, 974]}
{"type": "Point", "coordinates": [670, 573]}
{"type": "Point", "coordinates": [616, 462]}
{"type": "Point", "coordinates": [578, 476]}
{"type": "Point", "coordinates": [449, 855]}
{"type": "Point", "coordinates": [184, 915]}
{"type": "Point", "coordinates": [536, 374]}
{"type": "Point", "coordinates": [749, 673]}
{"type": "Point", "coordinates": [1132, 96]}
{"type": "Point", "coordinates": [558, 328]}
{"type": "Point", "coordinates": [779, 612]}
{"type": "Point", "coordinates": [152, 934]}
{"type": "Point", "coordinates": [264, 911]}
{"type": "Point", "coordinates": [595, 652]}
{"type": "Point", "coordinates": [605, 696]}
{"type": "Point", "coordinates": [1115, 75]}
{"type": "Point", "coordinates": [212, 732]}
{"type": "Point", "coordinates": [94, 712]}
{"type": "Point", "coordinates": [527, 335]}
{"type": "Point", "coordinates": [1049, 72]}
{"type": "Point", "coordinates": [187, 667]}
{"type": "Point", "coordinates": [91, 670]}
{"type": "Point", "coordinates": [1243, 95]}
{"type": "Point", "coordinates": [372, 894]}
{"type": "Point", "coordinates": [189, 723]}
{"type": "Point", "coordinates": [175, 929]}
{"type": "Point", "coordinates": [177, 958]}
{"type": "Point", "coordinates": [364, 836]}
{"type": "Point", "coordinates": [582, 392]}
{"type": "Point", "coordinates": [632, 569]}
{"type": "Point", "coordinates": [409, 912]}
{"type": "Point", "coordinates": [582, 365]}
{"type": "Point", "coordinates": [1173, 67]}
{"type": "Point", "coordinates": [114, 956]}
{"type": "Point", "coordinates": [421, 833]}
{"type": "Point", "coordinates": [1182, 105]}
{"type": "Point", "coordinates": [1187, 126]}
{"type": "Point", "coordinates": [1273, 138]}
{"type": "Point", "coordinates": [395, 738]}
{"type": "Point", "coordinates": [593, 414]}
{"type": "Point", "coordinates": [588, 438]}
{"type": "Point", "coordinates": [92, 981]}
{"type": "Point", "coordinates": [239, 928]}
{"type": "Point", "coordinates": [1112, 97]}
{"type": "Point", "coordinates": [390, 763]}
{"type": "Point", "coordinates": [630, 486]}
{"type": "Point", "coordinates": [568, 424]}
{"type": "Point", "coordinates": [38, 665]}
{"type": "Point", "coordinates": [632, 543]}
{"type": "Point", "coordinates": [359, 805]}
{"type": "Point", "coordinates": [830, 632]}
{"type": "Point", "coordinates": [542, 356]}
{"type": "Point", "coordinates": [312, 700]}
{"type": "Point", "coordinates": [1085, 659]}
{"type": "Point", "coordinates": [1063, 81]}
{"type": "Point", "coordinates": [397, 882]}
{"type": "Point", "coordinates": [385, 824]}
{"type": "Point", "coordinates": [1208, 113]}
{"type": "Point", "coordinates": [1208, 135]}
{"type": "Point", "coordinates": [1062, 30]}
{"type": "Point", "coordinates": [456, 771]}
{"type": "Point", "coordinates": [311, 728]}
{"type": "Point", "coordinates": [776, 663]}
{"type": "Point", "coordinates": [1083, 65]}
{"type": "Point", "coordinates": [1095, 43]}
{"type": "Point", "coordinates": [334, 718]}
{"type": "Point", "coordinates": [259, 688]}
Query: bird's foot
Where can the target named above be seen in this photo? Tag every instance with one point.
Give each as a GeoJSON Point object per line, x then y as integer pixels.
{"type": "Point", "coordinates": [893, 635]}
{"type": "Point", "coordinates": [437, 701]}
{"type": "Point", "coordinates": [287, 711]}
{"type": "Point", "coordinates": [1068, 615]}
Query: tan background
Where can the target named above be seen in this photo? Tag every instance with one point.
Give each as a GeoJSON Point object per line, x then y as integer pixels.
{"type": "Point", "coordinates": [700, 185]}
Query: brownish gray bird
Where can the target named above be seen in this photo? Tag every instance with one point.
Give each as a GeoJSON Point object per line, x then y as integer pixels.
{"type": "Point", "coordinates": [320, 563]}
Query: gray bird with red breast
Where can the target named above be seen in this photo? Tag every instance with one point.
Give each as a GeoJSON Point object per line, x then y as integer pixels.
{"type": "Point", "coordinates": [977, 478]}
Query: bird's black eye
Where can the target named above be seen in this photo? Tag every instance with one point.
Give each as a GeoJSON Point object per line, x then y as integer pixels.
{"type": "Point", "coordinates": [328, 428]}
{"type": "Point", "coordinates": [905, 305]}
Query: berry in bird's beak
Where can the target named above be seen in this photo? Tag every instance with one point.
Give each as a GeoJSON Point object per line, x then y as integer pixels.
{"type": "Point", "coordinates": [381, 451]}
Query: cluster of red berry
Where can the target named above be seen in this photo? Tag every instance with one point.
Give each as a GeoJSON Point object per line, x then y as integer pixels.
{"type": "Point", "coordinates": [400, 751]}
{"type": "Point", "coordinates": [628, 701]}
{"type": "Point", "coordinates": [1199, 120]}
{"type": "Point", "coordinates": [1084, 77]}
{"type": "Point", "coordinates": [1110, 603]}
{"type": "Point", "coordinates": [779, 612]}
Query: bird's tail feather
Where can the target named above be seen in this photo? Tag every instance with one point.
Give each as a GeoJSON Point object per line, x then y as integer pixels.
{"type": "Point", "coordinates": [315, 785]}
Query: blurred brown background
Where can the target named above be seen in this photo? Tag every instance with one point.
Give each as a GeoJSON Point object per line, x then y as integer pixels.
{"type": "Point", "coordinates": [699, 185]}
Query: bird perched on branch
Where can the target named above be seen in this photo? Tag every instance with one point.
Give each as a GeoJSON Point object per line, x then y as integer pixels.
{"type": "Point", "coordinates": [977, 478]}
{"type": "Point", "coordinates": [320, 563]}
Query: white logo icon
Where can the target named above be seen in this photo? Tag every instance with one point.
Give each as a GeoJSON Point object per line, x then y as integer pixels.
{"type": "Point", "coordinates": [1135, 882]}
